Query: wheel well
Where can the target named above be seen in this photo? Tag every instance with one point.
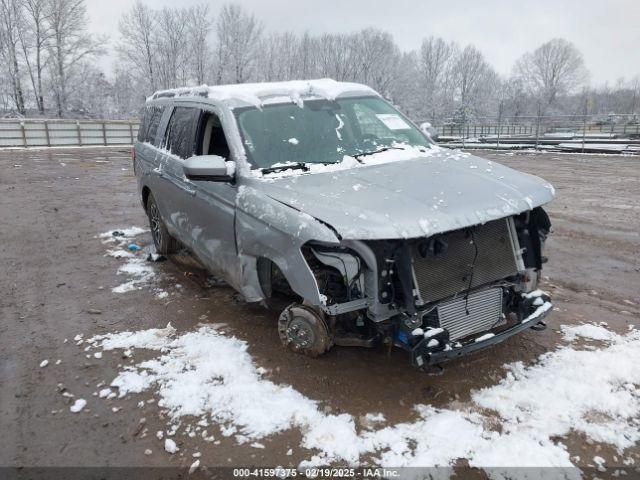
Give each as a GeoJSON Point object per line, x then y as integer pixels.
{"type": "Point", "coordinates": [271, 278]}
{"type": "Point", "coordinates": [145, 196]}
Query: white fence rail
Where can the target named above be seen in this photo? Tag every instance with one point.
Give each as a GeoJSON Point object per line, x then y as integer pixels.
{"type": "Point", "coordinates": [66, 133]}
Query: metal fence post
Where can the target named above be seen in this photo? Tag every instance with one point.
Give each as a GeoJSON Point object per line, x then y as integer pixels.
{"type": "Point", "coordinates": [463, 135]}
{"type": "Point", "coordinates": [538, 127]}
{"type": "Point", "coordinates": [24, 134]}
{"type": "Point", "coordinates": [104, 133]}
{"type": "Point", "coordinates": [46, 133]}
{"type": "Point", "coordinates": [584, 122]}
{"type": "Point", "coordinates": [79, 134]}
{"type": "Point", "coordinates": [131, 132]}
{"type": "Point", "coordinates": [499, 124]}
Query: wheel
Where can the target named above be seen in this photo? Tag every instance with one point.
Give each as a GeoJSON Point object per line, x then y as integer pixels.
{"type": "Point", "coordinates": [164, 242]}
{"type": "Point", "coordinates": [303, 330]}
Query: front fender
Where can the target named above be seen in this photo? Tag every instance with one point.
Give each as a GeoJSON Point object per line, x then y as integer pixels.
{"type": "Point", "coordinates": [270, 229]}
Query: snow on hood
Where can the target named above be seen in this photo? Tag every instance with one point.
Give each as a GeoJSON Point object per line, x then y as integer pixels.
{"type": "Point", "coordinates": [407, 194]}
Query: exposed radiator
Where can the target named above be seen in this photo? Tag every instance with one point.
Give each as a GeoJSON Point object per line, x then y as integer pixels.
{"type": "Point", "coordinates": [449, 273]}
{"type": "Point", "coordinates": [485, 310]}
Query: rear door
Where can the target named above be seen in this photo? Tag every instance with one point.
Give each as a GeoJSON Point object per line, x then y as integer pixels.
{"type": "Point", "coordinates": [175, 194]}
{"type": "Point", "coordinates": [147, 138]}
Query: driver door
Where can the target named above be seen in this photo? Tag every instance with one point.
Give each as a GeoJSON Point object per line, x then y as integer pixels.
{"type": "Point", "coordinates": [212, 212]}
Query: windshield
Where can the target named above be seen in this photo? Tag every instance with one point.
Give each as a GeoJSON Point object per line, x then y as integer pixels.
{"type": "Point", "coordinates": [323, 131]}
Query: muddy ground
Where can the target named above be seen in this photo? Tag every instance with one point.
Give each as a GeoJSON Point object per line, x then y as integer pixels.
{"type": "Point", "coordinates": [53, 272]}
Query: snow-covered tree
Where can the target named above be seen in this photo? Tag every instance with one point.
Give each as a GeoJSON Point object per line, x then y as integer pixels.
{"type": "Point", "coordinates": [553, 69]}
{"type": "Point", "coordinates": [237, 39]}
{"type": "Point", "coordinates": [33, 39]}
{"type": "Point", "coordinates": [70, 46]}
{"type": "Point", "coordinates": [136, 47]}
{"type": "Point", "coordinates": [11, 23]}
{"type": "Point", "coordinates": [437, 61]}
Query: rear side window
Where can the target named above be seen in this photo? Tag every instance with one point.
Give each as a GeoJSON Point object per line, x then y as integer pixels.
{"type": "Point", "coordinates": [144, 126]}
{"type": "Point", "coordinates": [180, 135]}
{"type": "Point", "coordinates": [149, 126]}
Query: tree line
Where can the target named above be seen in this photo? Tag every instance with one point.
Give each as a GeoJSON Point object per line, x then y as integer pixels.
{"type": "Point", "coordinates": [50, 65]}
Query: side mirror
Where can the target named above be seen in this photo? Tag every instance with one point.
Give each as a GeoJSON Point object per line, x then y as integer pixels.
{"type": "Point", "coordinates": [209, 167]}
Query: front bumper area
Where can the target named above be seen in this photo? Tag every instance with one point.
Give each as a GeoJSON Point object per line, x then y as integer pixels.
{"type": "Point", "coordinates": [422, 355]}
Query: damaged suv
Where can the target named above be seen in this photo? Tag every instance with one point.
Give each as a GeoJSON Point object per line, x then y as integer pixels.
{"type": "Point", "coordinates": [323, 191]}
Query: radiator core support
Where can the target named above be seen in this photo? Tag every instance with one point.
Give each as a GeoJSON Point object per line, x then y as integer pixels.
{"type": "Point", "coordinates": [439, 275]}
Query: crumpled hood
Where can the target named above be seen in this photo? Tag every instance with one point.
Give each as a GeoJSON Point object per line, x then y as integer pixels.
{"type": "Point", "coordinates": [443, 191]}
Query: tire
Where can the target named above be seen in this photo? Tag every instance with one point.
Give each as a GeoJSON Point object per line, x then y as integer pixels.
{"type": "Point", "coordinates": [162, 239]}
{"type": "Point", "coordinates": [303, 330]}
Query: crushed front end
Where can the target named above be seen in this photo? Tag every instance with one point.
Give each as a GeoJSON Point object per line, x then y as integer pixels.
{"type": "Point", "coordinates": [437, 297]}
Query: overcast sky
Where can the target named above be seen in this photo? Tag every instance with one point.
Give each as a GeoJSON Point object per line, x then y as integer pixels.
{"type": "Point", "coordinates": [606, 31]}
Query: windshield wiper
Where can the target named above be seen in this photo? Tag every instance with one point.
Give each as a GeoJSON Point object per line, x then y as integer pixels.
{"type": "Point", "coordinates": [280, 168]}
{"type": "Point", "coordinates": [373, 152]}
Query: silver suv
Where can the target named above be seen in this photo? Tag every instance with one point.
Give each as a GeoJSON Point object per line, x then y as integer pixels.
{"type": "Point", "coordinates": [324, 192]}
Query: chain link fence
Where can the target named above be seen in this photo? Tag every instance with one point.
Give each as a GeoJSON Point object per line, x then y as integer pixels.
{"type": "Point", "coordinates": [614, 132]}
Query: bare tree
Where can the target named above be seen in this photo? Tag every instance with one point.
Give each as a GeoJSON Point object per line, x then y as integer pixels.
{"type": "Point", "coordinates": [7, 101]}
{"type": "Point", "coordinates": [471, 69]}
{"type": "Point", "coordinates": [238, 34]}
{"type": "Point", "coordinates": [515, 98]}
{"type": "Point", "coordinates": [89, 93]}
{"type": "Point", "coordinates": [198, 30]}
{"type": "Point", "coordinates": [33, 40]}
{"type": "Point", "coordinates": [437, 60]}
{"type": "Point", "coordinates": [136, 46]}
{"type": "Point", "coordinates": [405, 89]}
{"type": "Point", "coordinates": [377, 57]}
{"type": "Point", "coordinates": [336, 56]}
{"type": "Point", "coordinates": [170, 40]}
{"type": "Point", "coordinates": [69, 46]}
{"type": "Point", "coordinates": [279, 58]}
{"type": "Point", "coordinates": [306, 62]}
{"type": "Point", "coordinates": [11, 22]}
{"type": "Point", "coordinates": [555, 68]}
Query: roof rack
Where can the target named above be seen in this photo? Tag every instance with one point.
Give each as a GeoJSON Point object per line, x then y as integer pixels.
{"type": "Point", "coordinates": [183, 93]}
{"type": "Point", "coordinates": [164, 95]}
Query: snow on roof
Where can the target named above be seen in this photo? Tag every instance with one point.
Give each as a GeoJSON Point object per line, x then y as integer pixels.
{"type": "Point", "coordinates": [259, 93]}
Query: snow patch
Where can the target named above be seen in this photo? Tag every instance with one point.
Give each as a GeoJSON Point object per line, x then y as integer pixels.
{"type": "Point", "coordinates": [137, 268]}
{"type": "Point", "coordinates": [170, 446]}
{"type": "Point", "coordinates": [589, 331]}
{"type": "Point", "coordinates": [78, 405]}
{"type": "Point", "coordinates": [211, 376]}
{"type": "Point", "coordinates": [122, 233]}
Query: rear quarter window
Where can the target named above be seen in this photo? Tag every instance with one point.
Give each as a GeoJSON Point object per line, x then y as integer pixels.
{"type": "Point", "coordinates": [181, 132]}
{"type": "Point", "coordinates": [149, 126]}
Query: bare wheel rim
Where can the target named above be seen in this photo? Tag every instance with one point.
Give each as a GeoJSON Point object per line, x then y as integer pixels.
{"type": "Point", "coordinates": [154, 218]}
